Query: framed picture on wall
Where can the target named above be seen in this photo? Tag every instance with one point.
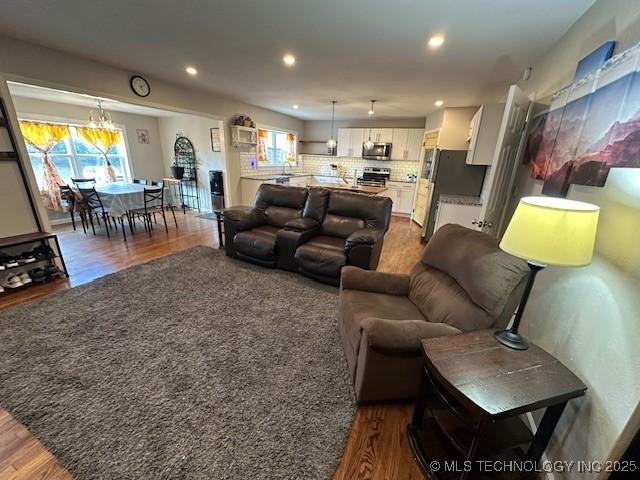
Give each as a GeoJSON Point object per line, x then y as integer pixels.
{"type": "Point", "coordinates": [215, 140]}
{"type": "Point", "coordinates": [143, 135]}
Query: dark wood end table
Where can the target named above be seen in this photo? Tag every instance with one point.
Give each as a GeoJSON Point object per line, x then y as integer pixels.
{"type": "Point", "coordinates": [220, 221]}
{"type": "Point", "coordinates": [475, 389]}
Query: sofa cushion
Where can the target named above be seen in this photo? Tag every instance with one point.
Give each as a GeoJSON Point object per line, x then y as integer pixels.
{"type": "Point", "coordinates": [280, 196]}
{"type": "Point", "coordinates": [487, 274]}
{"type": "Point", "coordinates": [259, 242]}
{"type": "Point", "coordinates": [375, 211]}
{"type": "Point", "coordinates": [317, 203]}
{"type": "Point", "coordinates": [322, 255]}
{"type": "Point", "coordinates": [279, 216]}
{"type": "Point", "coordinates": [442, 300]}
{"type": "Point", "coordinates": [340, 226]}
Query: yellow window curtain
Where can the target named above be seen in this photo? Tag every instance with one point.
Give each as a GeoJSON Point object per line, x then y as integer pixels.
{"type": "Point", "coordinates": [262, 146]}
{"type": "Point", "coordinates": [43, 137]}
{"type": "Point", "coordinates": [291, 149]}
{"type": "Point", "coordinates": [103, 139]}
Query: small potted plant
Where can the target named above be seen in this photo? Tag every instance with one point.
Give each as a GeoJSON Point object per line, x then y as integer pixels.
{"type": "Point", "coordinates": [177, 170]}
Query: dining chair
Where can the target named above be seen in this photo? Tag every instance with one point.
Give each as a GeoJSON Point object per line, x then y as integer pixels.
{"type": "Point", "coordinates": [154, 203]}
{"type": "Point", "coordinates": [91, 196]}
{"type": "Point", "coordinates": [68, 195]}
{"type": "Point", "coordinates": [141, 181]}
{"type": "Point", "coordinates": [83, 181]}
{"type": "Point", "coordinates": [168, 204]}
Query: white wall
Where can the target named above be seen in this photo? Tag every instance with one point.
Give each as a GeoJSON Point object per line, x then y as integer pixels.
{"type": "Point", "coordinates": [30, 63]}
{"type": "Point", "coordinates": [589, 317]}
{"type": "Point", "coordinates": [145, 159]}
{"type": "Point", "coordinates": [16, 214]}
{"type": "Point", "coordinates": [196, 129]}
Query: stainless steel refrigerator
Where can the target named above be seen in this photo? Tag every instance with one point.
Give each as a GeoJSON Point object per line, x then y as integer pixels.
{"type": "Point", "coordinates": [450, 175]}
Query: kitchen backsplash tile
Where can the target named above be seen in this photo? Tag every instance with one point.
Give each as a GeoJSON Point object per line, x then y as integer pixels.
{"type": "Point", "coordinates": [321, 165]}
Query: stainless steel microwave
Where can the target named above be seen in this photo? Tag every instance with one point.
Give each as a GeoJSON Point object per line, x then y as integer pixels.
{"type": "Point", "coordinates": [379, 151]}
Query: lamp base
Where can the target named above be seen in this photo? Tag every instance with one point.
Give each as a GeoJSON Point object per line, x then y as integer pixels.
{"type": "Point", "coordinates": [511, 339]}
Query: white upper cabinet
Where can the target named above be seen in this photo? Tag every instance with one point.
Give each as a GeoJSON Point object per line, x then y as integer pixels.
{"type": "Point", "coordinates": [357, 139]}
{"type": "Point", "coordinates": [350, 142]}
{"type": "Point", "coordinates": [406, 144]}
{"type": "Point", "coordinates": [483, 134]}
{"type": "Point", "coordinates": [399, 143]}
{"type": "Point", "coordinates": [344, 142]}
{"type": "Point", "coordinates": [414, 143]}
{"type": "Point", "coordinates": [381, 135]}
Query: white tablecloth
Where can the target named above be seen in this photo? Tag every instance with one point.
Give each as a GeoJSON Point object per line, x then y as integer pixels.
{"type": "Point", "coordinates": [120, 197]}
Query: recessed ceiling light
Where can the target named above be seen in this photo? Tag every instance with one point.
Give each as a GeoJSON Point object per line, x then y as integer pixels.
{"type": "Point", "coordinates": [436, 41]}
{"type": "Point", "coordinates": [289, 60]}
{"type": "Point", "coordinates": [439, 103]}
{"type": "Point", "coordinates": [295, 107]}
{"type": "Point", "coordinates": [191, 70]}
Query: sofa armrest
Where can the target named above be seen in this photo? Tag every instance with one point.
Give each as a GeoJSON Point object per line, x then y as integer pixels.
{"type": "Point", "coordinates": [354, 278]}
{"type": "Point", "coordinates": [364, 236]}
{"type": "Point", "coordinates": [245, 218]}
{"type": "Point", "coordinates": [402, 336]}
{"type": "Point", "coordinates": [302, 224]}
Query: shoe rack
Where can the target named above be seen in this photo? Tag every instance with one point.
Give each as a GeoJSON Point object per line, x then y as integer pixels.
{"type": "Point", "coordinates": [15, 254]}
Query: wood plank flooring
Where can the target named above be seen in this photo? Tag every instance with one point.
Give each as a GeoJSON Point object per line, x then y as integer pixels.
{"type": "Point", "coordinates": [377, 447]}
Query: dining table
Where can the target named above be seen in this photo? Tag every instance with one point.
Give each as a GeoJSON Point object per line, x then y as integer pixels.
{"type": "Point", "coordinates": [119, 198]}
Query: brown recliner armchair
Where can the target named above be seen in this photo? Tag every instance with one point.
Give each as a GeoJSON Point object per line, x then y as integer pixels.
{"type": "Point", "coordinates": [463, 282]}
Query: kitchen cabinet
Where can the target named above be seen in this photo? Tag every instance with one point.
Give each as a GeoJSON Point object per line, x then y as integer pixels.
{"type": "Point", "coordinates": [350, 142]}
{"type": "Point", "coordinates": [399, 143]}
{"type": "Point", "coordinates": [380, 135]}
{"type": "Point", "coordinates": [457, 213]}
{"type": "Point", "coordinates": [414, 144]}
{"type": "Point", "coordinates": [344, 142]}
{"type": "Point", "coordinates": [401, 193]}
{"type": "Point", "coordinates": [452, 125]}
{"type": "Point", "coordinates": [406, 144]}
{"type": "Point", "coordinates": [483, 134]}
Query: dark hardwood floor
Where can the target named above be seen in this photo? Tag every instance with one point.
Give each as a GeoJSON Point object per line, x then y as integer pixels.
{"type": "Point", "coordinates": [377, 447]}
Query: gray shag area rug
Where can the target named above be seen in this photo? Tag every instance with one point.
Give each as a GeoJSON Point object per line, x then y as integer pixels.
{"type": "Point", "coordinates": [192, 366]}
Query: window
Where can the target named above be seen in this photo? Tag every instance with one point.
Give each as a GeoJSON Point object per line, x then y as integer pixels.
{"type": "Point", "coordinates": [73, 157]}
{"type": "Point", "coordinates": [276, 148]}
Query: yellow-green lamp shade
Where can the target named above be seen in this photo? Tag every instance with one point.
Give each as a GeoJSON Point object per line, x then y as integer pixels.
{"type": "Point", "coordinates": [552, 231]}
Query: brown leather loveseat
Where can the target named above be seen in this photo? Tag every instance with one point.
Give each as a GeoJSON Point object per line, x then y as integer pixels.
{"type": "Point", "coordinates": [314, 231]}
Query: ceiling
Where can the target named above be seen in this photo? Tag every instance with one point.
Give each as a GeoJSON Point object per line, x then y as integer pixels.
{"type": "Point", "coordinates": [347, 50]}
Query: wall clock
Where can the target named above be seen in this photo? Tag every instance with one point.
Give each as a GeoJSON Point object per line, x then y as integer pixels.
{"type": "Point", "coordinates": [140, 86]}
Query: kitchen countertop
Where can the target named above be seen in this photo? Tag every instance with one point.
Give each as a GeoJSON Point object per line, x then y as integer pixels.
{"type": "Point", "coordinates": [368, 189]}
{"type": "Point", "coordinates": [273, 176]}
{"type": "Point", "coordinates": [460, 200]}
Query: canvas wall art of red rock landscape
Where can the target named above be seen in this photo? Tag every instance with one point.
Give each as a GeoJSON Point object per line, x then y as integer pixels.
{"type": "Point", "coordinates": [589, 128]}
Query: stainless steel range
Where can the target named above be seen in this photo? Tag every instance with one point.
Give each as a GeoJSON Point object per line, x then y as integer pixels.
{"type": "Point", "coordinates": [374, 176]}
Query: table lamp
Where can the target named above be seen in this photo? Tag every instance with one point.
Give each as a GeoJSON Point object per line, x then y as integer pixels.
{"type": "Point", "coordinates": [547, 231]}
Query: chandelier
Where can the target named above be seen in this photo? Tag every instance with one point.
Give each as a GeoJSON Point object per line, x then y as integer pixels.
{"type": "Point", "coordinates": [100, 118]}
